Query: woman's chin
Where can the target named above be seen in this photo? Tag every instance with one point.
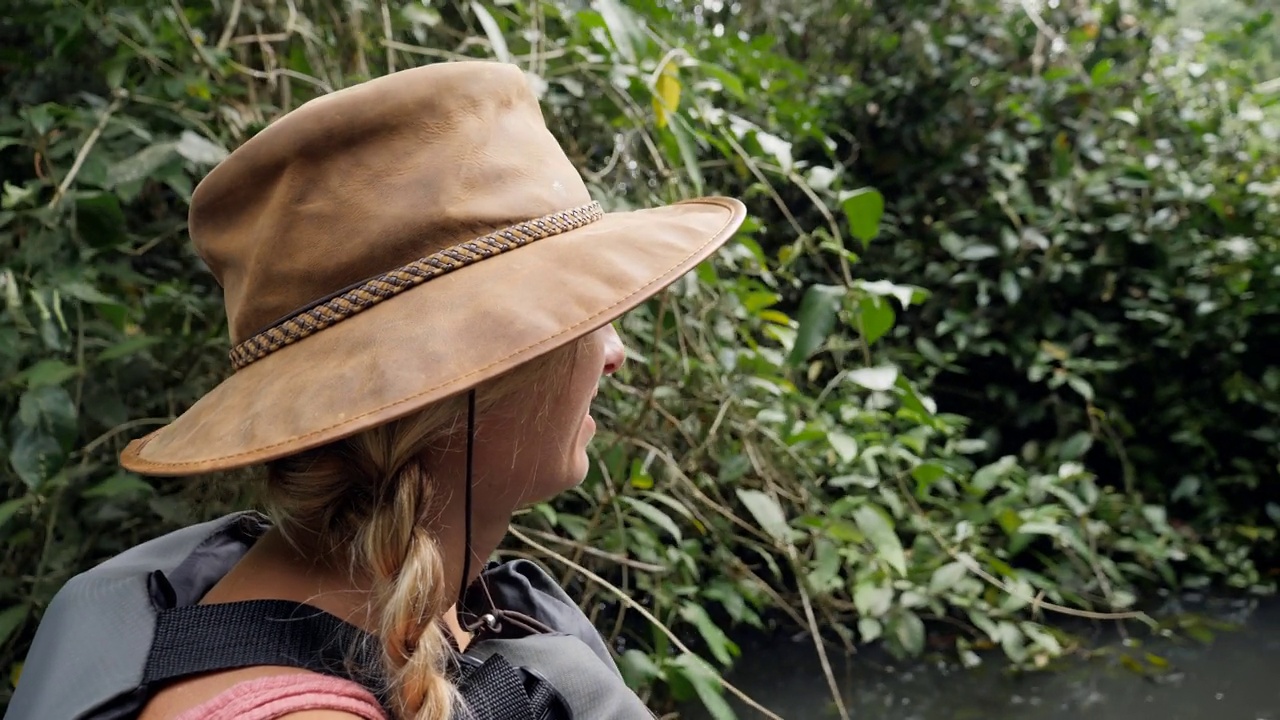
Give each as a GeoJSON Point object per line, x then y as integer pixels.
{"type": "Point", "coordinates": [575, 472]}
{"type": "Point", "coordinates": [581, 466]}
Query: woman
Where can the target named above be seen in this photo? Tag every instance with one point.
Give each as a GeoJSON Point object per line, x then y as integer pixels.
{"type": "Point", "coordinates": [420, 292]}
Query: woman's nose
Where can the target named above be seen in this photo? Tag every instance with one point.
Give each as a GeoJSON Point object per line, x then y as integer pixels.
{"type": "Point", "coordinates": [615, 354]}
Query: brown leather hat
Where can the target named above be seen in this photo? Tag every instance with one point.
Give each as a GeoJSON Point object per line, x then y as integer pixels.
{"type": "Point", "coordinates": [400, 241]}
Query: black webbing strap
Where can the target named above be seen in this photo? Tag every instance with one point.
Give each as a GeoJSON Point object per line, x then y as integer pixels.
{"type": "Point", "coordinates": [198, 639]}
{"type": "Point", "coordinates": [206, 638]}
{"type": "Point", "coordinates": [495, 690]}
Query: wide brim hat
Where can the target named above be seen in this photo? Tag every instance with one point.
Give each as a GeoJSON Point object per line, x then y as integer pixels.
{"type": "Point", "coordinates": [400, 241]}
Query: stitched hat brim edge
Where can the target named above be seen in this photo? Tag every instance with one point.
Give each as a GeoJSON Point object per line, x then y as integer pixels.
{"type": "Point", "coordinates": [404, 354]}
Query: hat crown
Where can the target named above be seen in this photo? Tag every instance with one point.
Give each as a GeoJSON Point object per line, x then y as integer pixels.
{"type": "Point", "coordinates": [370, 178]}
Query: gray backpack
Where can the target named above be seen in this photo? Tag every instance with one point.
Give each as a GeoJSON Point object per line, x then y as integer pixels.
{"type": "Point", "coordinates": [115, 635]}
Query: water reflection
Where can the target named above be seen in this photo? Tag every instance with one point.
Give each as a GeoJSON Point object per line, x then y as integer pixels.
{"type": "Point", "coordinates": [1235, 676]}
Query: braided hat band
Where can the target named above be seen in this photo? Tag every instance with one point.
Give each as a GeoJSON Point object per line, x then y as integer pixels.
{"type": "Point", "coordinates": [348, 303]}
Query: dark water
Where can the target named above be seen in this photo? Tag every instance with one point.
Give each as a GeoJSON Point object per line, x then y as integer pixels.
{"type": "Point", "coordinates": [1234, 675]}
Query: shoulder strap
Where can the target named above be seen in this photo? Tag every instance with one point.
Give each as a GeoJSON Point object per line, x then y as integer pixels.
{"type": "Point", "coordinates": [571, 667]}
{"type": "Point", "coordinates": [207, 638]}
{"type": "Point", "coordinates": [496, 689]}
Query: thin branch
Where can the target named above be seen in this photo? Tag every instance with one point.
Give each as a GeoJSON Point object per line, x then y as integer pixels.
{"type": "Point", "coordinates": [232, 19]}
{"type": "Point", "coordinates": [139, 422]}
{"type": "Point", "coordinates": [830, 219]}
{"type": "Point", "coordinates": [196, 44]}
{"type": "Point", "coordinates": [596, 552]}
{"type": "Point", "coordinates": [972, 566]}
{"type": "Point", "coordinates": [629, 602]}
{"type": "Point", "coordinates": [282, 72]}
{"type": "Point", "coordinates": [793, 557]}
{"type": "Point", "coordinates": [390, 36]}
{"type": "Point", "coordinates": [754, 167]}
{"type": "Point", "coordinates": [1044, 28]}
{"type": "Point", "coordinates": [424, 51]}
{"type": "Point", "coordinates": [89, 142]}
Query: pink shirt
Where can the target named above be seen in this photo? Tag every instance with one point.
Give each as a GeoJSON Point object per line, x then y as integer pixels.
{"type": "Point", "coordinates": [273, 697]}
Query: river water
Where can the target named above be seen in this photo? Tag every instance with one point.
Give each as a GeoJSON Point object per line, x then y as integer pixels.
{"type": "Point", "coordinates": [1233, 675]}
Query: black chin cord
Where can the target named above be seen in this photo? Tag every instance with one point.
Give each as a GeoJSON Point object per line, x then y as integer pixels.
{"type": "Point", "coordinates": [471, 442]}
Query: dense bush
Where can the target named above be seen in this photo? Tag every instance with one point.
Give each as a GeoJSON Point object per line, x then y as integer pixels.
{"type": "Point", "coordinates": [1096, 215]}
{"type": "Point", "coordinates": [1027, 372]}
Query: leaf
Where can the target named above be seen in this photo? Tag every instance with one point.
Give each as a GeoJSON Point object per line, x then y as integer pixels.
{"type": "Point", "coordinates": [655, 516]}
{"type": "Point", "coordinates": [1010, 288]}
{"type": "Point", "coordinates": [11, 620]}
{"type": "Point", "coordinates": [706, 684]}
{"type": "Point", "coordinates": [39, 116]}
{"type": "Point", "coordinates": [1081, 386]}
{"type": "Point", "coordinates": [946, 577]}
{"type": "Point", "coordinates": [493, 32]}
{"type": "Point", "coordinates": [717, 642]}
{"type": "Point", "coordinates": [845, 446]}
{"type": "Point", "coordinates": [199, 150]}
{"type": "Point", "coordinates": [1126, 116]}
{"type": "Point", "coordinates": [48, 372]}
{"type": "Point", "coordinates": [81, 290]}
{"type": "Point", "coordinates": [420, 15]}
{"type": "Point", "coordinates": [1042, 637]}
{"type": "Point", "coordinates": [9, 508]}
{"type": "Point", "coordinates": [675, 505]}
{"type": "Point", "coordinates": [666, 92]}
{"type": "Point", "coordinates": [51, 409]}
{"type": "Point", "coordinates": [878, 527]}
{"type": "Point", "coordinates": [817, 317]}
{"type": "Point", "coordinates": [878, 379]}
{"type": "Point", "coordinates": [621, 27]}
{"type": "Point", "coordinates": [638, 668]}
{"type": "Point", "coordinates": [688, 155]}
{"type": "Point", "coordinates": [843, 531]}
{"type": "Point", "coordinates": [864, 208]}
{"type": "Point", "coordinates": [36, 456]}
{"type": "Point", "coordinates": [731, 83]}
{"type": "Point", "coordinates": [767, 512]}
{"type": "Point", "coordinates": [908, 628]}
{"type": "Point", "coordinates": [1076, 446]}
{"type": "Point", "coordinates": [824, 575]}
{"type": "Point", "coordinates": [870, 629]}
{"type": "Point", "coordinates": [913, 401]}
{"type": "Point", "coordinates": [121, 483]}
{"type": "Point", "coordinates": [127, 347]}
{"type": "Point", "coordinates": [928, 473]}
{"type": "Point", "coordinates": [871, 600]}
{"type": "Point", "coordinates": [770, 144]}
{"type": "Point", "coordinates": [877, 318]}
{"type": "Point", "coordinates": [905, 294]}
{"type": "Point", "coordinates": [977, 251]}
{"type": "Point", "coordinates": [141, 165]}
{"type": "Point", "coordinates": [100, 219]}
{"type": "Point", "coordinates": [42, 433]}
{"type": "Point", "coordinates": [1101, 70]}
{"type": "Point", "coordinates": [986, 477]}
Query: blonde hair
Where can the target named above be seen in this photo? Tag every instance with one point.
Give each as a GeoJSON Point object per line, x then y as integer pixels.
{"type": "Point", "coordinates": [368, 501]}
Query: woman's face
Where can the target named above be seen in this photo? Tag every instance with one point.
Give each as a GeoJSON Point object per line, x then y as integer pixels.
{"type": "Point", "coordinates": [534, 447]}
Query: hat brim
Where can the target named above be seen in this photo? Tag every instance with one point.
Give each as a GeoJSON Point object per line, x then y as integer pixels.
{"type": "Point", "coordinates": [441, 338]}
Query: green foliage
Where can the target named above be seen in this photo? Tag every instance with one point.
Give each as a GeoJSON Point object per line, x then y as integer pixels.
{"type": "Point", "coordinates": [994, 341]}
{"type": "Point", "coordinates": [1100, 214]}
